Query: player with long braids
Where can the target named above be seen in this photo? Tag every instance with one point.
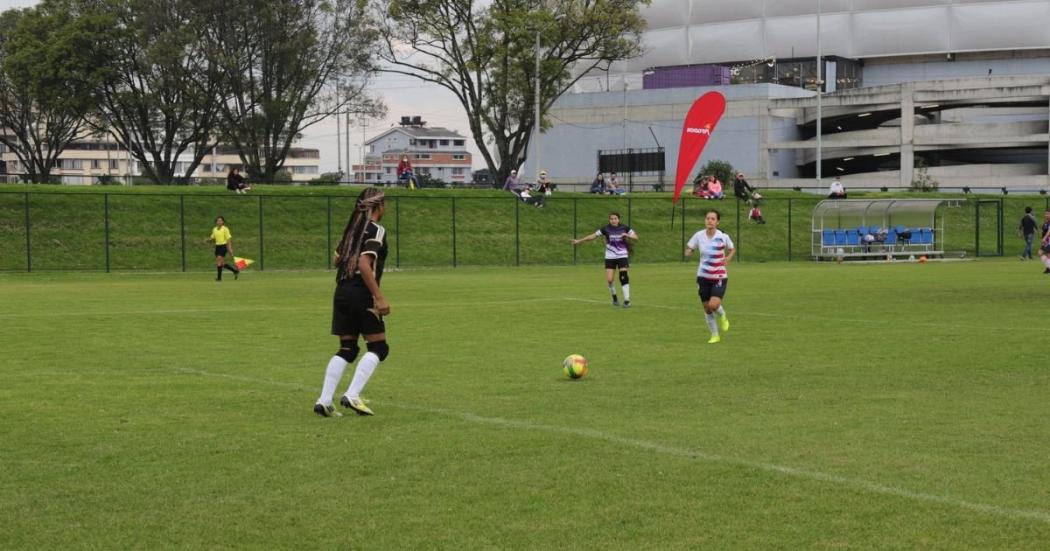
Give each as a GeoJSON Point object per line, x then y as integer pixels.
{"type": "Point", "coordinates": [358, 306]}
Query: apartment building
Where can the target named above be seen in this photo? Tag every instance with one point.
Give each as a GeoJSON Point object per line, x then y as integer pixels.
{"type": "Point", "coordinates": [437, 152]}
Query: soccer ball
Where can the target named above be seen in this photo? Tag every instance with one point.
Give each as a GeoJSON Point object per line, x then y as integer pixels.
{"type": "Point", "coordinates": [575, 366]}
{"type": "Point", "coordinates": [922, 259]}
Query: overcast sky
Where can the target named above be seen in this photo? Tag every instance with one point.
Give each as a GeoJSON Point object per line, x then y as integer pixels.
{"type": "Point", "coordinates": [404, 96]}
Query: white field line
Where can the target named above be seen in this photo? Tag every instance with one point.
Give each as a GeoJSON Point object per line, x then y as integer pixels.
{"type": "Point", "coordinates": [699, 455]}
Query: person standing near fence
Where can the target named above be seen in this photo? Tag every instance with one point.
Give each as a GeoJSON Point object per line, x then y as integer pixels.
{"type": "Point", "coordinates": [359, 305]}
{"type": "Point", "coordinates": [716, 250]}
{"type": "Point", "coordinates": [1028, 227]}
{"type": "Point", "coordinates": [223, 240]}
{"type": "Point", "coordinates": [617, 251]}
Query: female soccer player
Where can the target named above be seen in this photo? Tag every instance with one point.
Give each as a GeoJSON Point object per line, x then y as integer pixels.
{"type": "Point", "coordinates": [220, 234]}
{"type": "Point", "coordinates": [617, 251]}
{"type": "Point", "coordinates": [716, 250]}
{"type": "Point", "coordinates": [358, 306]}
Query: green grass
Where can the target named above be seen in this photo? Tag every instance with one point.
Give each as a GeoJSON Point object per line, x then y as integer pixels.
{"type": "Point", "coordinates": [161, 228]}
{"type": "Point", "coordinates": [851, 406]}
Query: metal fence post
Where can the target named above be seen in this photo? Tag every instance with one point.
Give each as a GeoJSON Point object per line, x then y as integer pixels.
{"type": "Point", "coordinates": [628, 210]}
{"type": "Point", "coordinates": [453, 232]}
{"type": "Point", "coordinates": [1000, 240]}
{"type": "Point", "coordinates": [789, 229]}
{"type": "Point", "coordinates": [328, 247]}
{"type": "Point", "coordinates": [262, 258]}
{"type": "Point", "coordinates": [976, 227]}
{"type": "Point", "coordinates": [105, 216]}
{"type": "Point", "coordinates": [575, 200]}
{"type": "Point", "coordinates": [517, 234]}
{"type": "Point", "coordinates": [397, 230]}
{"type": "Point", "coordinates": [29, 241]}
{"type": "Point", "coordinates": [739, 238]}
{"type": "Point", "coordinates": [682, 248]}
{"type": "Point", "coordinates": [182, 228]}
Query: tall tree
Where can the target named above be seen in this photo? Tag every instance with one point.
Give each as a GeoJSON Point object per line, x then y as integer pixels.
{"type": "Point", "coordinates": [52, 57]}
{"type": "Point", "coordinates": [285, 66]}
{"type": "Point", "coordinates": [162, 98]}
{"type": "Point", "coordinates": [485, 55]}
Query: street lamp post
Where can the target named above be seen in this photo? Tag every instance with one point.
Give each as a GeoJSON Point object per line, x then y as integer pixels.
{"type": "Point", "coordinates": [820, 93]}
{"type": "Point", "coordinates": [536, 147]}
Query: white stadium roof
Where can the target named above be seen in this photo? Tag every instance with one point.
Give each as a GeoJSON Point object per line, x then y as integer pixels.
{"type": "Point", "coordinates": [684, 32]}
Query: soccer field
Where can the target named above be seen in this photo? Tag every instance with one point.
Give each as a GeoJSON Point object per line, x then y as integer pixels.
{"type": "Point", "coordinates": [850, 406]}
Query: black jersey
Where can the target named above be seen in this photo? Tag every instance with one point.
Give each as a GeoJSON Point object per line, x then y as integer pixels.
{"type": "Point", "coordinates": [374, 245]}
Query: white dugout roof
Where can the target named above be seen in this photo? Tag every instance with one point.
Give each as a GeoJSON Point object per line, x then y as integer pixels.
{"type": "Point", "coordinates": [684, 32]}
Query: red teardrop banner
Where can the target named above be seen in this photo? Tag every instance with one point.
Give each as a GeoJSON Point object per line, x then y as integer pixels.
{"type": "Point", "coordinates": [700, 122]}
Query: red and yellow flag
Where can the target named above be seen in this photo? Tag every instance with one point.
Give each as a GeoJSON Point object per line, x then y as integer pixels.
{"type": "Point", "coordinates": [242, 263]}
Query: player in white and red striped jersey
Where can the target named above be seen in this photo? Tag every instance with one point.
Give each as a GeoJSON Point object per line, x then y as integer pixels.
{"type": "Point", "coordinates": [716, 250]}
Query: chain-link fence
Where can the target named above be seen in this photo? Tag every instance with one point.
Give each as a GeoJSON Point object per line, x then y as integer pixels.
{"type": "Point", "coordinates": [168, 232]}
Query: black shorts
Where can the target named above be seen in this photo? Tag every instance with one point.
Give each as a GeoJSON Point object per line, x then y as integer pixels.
{"type": "Point", "coordinates": [353, 312]}
{"type": "Point", "coordinates": [1045, 248]}
{"type": "Point", "coordinates": [616, 263]}
{"type": "Point", "coordinates": [220, 250]}
{"type": "Point", "coordinates": [711, 288]}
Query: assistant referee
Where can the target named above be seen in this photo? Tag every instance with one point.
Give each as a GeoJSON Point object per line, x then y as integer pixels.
{"type": "Point", "coordinates": [220, 234]}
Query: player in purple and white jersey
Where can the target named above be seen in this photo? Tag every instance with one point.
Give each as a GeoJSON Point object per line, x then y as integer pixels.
{"type": "Point", "coordinates": [716, 250]}
{"type": "Point", "coordinates": [618, 240]}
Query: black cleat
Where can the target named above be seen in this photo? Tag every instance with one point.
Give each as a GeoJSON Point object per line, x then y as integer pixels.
{"type": "Point", "coordinates": [616, 302]}
{"type": "Point", "coordinates": [325, 411]}
{"type": "Point", "coordinates": [626, 304]}
{"type": "Point", "coordinates": [1046, 271]}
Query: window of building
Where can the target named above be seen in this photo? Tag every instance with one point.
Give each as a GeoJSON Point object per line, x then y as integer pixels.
{"type": "Point", "coordinates": [304, 170]}
{"type": "Point", "coordinates": [412, 142]}
{"type": "Point", "coordinates": [96, 164]}
{"type": "Point", "coordinates": [457, 171]}
{"type": "Point", "coordinates": [70, 164]}
{"type": "Point", "coordinates": [423, 156]}
{"type": "Point", "coordinates": [444, 142]}
{"type": "Point", "coordinates": [114, 164]}
{"type": "Point", "coordinates": [388, 170]}
{"type": "Point", "coordinates": [459, 157]}
{"type": "Point", "coordinates": [458, 142]}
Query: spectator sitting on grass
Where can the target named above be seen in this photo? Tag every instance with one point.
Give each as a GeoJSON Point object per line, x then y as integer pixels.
{"type": "Point", "coordinates": [598, 185]}
{"type": "Point", "coordinates": [513, 183]}
{"type": "Point", "coordinates": [526, 196]}
{"type": "Point", "coordinates": [837, 190]}
{"type": "Point", "coordinates": [714, 189]}
{"type": "Point", "coordinates": [613, 186]}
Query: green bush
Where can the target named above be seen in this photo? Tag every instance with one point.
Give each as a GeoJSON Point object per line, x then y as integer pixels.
{"type": "Point", "coordinates": [719, 169]}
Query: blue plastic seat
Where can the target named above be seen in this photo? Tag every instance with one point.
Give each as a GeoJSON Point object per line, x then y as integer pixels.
{"type": "Point", "coordinates": [927, 236]}
{"type": "Point", "coordinates": [840, 237]}
{"type": "Point", "coordinates": [891, 237]}
{"type": "Point", "coordinates": [828, 238]}
{"type": "Point", "coordinates": [852, 238]}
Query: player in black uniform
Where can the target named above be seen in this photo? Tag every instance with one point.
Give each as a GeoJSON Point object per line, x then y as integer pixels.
{"type": "Point", "coordinates": [359, 305]}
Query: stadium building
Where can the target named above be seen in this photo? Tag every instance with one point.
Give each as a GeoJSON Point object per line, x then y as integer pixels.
{"type": "Point", "coordinates": [954, 90]}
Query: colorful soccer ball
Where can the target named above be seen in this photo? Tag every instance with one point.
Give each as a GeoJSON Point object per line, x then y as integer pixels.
{"type": "Point", "coordinates": [575, 366]}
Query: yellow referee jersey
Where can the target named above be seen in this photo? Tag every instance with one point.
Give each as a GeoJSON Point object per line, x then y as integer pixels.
{"type": "Point", "coordinates": [220, 235]}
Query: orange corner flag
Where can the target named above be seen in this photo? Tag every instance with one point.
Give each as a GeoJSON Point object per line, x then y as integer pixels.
{"type": "Point", "coordinates": [242, 263]}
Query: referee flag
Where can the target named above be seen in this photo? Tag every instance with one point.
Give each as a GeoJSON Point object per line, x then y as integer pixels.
{"type": "Point", "coordinates": [242, 263]}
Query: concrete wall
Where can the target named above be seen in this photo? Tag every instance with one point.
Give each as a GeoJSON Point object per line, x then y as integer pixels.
{"type": "Point", "coordinates": [877, 74]}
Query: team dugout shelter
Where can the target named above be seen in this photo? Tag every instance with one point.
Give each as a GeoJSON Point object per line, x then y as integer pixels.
{"type": "Point", "coordinates": [878, 229]}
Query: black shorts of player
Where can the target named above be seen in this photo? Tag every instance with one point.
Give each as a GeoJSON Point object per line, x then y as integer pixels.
{"type": "Point", "coordinates": [220, 250]}
{"type": "Point", "coordinates": [353, 312]}
{"type": "Point", "coordinates": [616, 264]}
{"type": "Point", "coordinates": [1045, 248]}
{"type": "Point", "coordinates": [711, 288]}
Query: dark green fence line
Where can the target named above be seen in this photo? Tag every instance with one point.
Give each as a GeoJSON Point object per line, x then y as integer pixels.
{"type": "Point", "coordinates": [167, 232]}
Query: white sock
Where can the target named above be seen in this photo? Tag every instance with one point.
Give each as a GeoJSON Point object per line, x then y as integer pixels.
{"type": "Point", "coordinates": [721, 312]}
{"type": "Point", "coordinates": [612, 289]}
{"type": "Point", "coordinates": [331, 379]}
{"type": "Point", "coordinates": [365, 366]}
{"type": "Point", "coordinates": [712, 324]}
{"type": "Point", "coordinates": [627, 292]}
